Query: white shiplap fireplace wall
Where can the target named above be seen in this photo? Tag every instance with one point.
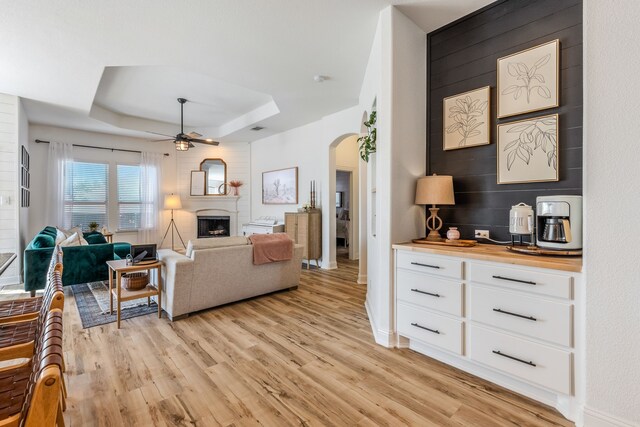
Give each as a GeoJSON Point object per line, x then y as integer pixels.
{"type": "Point", "coordinates": [237, 156]}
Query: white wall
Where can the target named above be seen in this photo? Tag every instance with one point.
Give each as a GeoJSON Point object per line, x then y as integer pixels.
{"type": "Point", "coordinates": [9, 183]}
{"type": "Point", "coordinates": [23, 214]}
{"type": "Point", "coordinates": [238, 159]}
{"type": "Point", "coordinates": [401, 156]}
{"type": "Point", "coordinates": [37, 220]}
{"type": "Point", "coordinates": [307, 148]}
{"type": "Point", "coordinates": [611, 200]}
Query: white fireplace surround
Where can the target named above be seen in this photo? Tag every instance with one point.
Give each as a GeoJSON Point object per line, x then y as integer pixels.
{"type": "Point", "coordinates": [198, 206]}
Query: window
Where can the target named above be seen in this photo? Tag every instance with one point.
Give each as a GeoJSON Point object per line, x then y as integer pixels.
{"type": "Point", "coordinates": [129, 199]}
{"type": "Point", "coordinates": [86, 193]}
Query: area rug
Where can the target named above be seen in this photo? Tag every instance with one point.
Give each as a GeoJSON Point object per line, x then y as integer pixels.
{"type": "Point", "coordinates": [92, 300]}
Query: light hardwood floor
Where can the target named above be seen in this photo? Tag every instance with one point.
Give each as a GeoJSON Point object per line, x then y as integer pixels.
{"type": "Point", "coordinates": [304, 357]}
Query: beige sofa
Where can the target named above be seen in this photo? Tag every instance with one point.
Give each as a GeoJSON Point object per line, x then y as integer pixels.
{"type": "Point", "coordinates": [219, 271]}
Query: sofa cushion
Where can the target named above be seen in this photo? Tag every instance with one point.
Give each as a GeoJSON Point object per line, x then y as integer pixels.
{"type": "Point", "coordinates": [216, 242]}
{"type": "Point", "coordinates": [43, 241]}
{"type": "Point", "coordinates": [94, 238]}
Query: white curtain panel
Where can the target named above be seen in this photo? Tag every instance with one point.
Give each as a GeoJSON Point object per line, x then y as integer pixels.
{"type": "Point", "coordinates": [150, 186]}
{"type": "Point", "coordinates": [58, 214]}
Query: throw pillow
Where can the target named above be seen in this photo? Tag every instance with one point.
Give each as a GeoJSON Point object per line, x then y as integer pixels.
{"type": "Point", "coordinates": [43, 241]}
{"type": "Point", "coordinates": [72, 240]}
{"type": "Point", "coordinates": [60, 237]}
{"type": "Point", "coordinates": [94, 238]}
{"type": "Point", "coordinates": [75, 230]}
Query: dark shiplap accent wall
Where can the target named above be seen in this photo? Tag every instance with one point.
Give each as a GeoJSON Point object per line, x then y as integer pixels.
{"type": "Point", "coordinates": [462, 56]}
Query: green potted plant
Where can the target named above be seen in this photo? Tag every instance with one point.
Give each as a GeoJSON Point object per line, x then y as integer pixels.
{"type": "Point", "coordinates": [93, 226]}
{"type": "Point", "coordinates": [368, 141]}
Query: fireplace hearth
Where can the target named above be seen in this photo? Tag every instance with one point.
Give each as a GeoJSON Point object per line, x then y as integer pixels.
{"type": "Point", "coordinates": [214, 226]}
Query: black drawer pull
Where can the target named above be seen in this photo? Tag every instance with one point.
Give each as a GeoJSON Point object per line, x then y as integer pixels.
{"type": "Point", "coordinates": [513, 358]}
{"type": "Point", "coordinates": [515, 280]}
{"type": "Point", "coordinates": [424, 265]}
{"type": "Point", "coordinates": [426, 293]}
{"type": "Point", "coordinates": [515, 314]}
{"type": "Point", "coordinates": [426, 329]}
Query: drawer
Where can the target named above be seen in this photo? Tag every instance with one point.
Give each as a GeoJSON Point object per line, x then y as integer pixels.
{"type": "Point", "coordinates": [430, 328]}
{"type": "Point", "coordinates": [533, 362]}
{"type": "Point", "coordinates": [430, 291]}
{"type": "Point", "coordinates": [538, 282]}
{"type": "Point", "coordinates": [431, 264]}
{"type": "Point", "coordinates": [535, 317]}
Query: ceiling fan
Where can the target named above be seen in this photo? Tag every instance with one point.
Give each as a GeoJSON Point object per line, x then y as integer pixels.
{"type": "Point", "coordinates": [184, 141]}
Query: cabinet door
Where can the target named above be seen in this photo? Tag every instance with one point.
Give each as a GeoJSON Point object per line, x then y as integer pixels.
{"type": "Point", "coordinates": [290, 226]}
{"type": "Point", "coordinates": [302, 234]}
{"type": "Point", "coordinates": [315, 235]}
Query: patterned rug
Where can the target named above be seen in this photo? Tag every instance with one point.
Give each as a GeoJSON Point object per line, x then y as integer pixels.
{"type": "Point", "coordinates": [92, 300]}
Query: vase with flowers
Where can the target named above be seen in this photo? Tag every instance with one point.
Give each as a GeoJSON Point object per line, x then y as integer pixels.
{"type": "Point", "coordinates": [235, 185]}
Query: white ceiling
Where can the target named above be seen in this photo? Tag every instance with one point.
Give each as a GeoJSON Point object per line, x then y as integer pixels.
{"type": "Point", "coordinates": [118, 66]}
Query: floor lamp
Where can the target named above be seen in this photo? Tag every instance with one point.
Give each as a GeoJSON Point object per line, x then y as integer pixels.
{"type": "Point", "coordinates": [172, 201]}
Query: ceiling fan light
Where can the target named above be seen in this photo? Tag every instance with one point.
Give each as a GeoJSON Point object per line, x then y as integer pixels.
{"type": "Point", "coordinates": [182, 145]}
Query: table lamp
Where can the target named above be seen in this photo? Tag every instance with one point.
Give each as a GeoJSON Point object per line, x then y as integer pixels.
{"type": "Point", "coordinates": [172, 201]}
{"type": "Point", "coordinates": [435, 190]}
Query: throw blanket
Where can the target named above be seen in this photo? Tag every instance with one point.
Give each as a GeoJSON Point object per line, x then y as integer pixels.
{"type": "Point", "coordinates": [269, 248]}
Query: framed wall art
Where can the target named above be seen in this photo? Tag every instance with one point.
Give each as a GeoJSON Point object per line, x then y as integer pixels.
{"type": "Point", "coordinates": [528, 150]}
{"type": "Point", "coordinates": [466, 119]}
{"type": "Point", "coordinates": [280, 187]}
{"type": "Point", "coordinates": [529, 80]}
{"type": "Point", "coordinates": [198, 183]}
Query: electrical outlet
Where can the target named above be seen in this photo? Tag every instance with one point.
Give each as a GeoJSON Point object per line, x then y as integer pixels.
{"type": "Point", "coordinates": [482, 234]}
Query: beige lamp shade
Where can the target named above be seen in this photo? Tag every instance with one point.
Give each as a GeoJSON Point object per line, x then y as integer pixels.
{"type": "Point", "coordinates": [435, 190]}
{"type": "Point", "coordinates": [172, 201]}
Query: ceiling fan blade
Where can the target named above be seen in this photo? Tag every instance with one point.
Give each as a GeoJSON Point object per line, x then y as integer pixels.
{"type": "Point", "coordinates": [162, 140]}
{"type": "Point", "coordinates": [204, 141]}
{"type": "Point", "coordinates": [191, 145]}
{"type": "Point", "coordinates": [161, 134]}
{"type": "Point", "coordinates": [194, 135]}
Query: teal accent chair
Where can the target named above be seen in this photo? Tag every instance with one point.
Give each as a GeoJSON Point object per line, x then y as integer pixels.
{"type": "Point", "coordinates": [82, 264]}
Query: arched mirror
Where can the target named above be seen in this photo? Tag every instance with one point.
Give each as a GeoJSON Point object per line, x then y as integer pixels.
{"type": "Point", "coordinates": [215, 176]}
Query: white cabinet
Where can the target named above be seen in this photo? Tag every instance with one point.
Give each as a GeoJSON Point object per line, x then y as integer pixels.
{"type": "Point", "coordinates": [514, 321]}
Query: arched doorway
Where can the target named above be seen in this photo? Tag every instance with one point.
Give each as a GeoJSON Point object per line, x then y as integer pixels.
{"type": "Point", "coordinates": [348, 214]}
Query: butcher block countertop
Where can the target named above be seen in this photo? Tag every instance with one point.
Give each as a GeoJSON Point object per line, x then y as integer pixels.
{"type": "Point", "coordinates": [498, 253]}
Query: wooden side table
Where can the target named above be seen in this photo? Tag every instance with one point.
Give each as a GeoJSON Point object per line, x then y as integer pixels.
{"type": "Point", "coordinates": [119, 267]}
{"type": "Point", "coordinates": [108, 237]}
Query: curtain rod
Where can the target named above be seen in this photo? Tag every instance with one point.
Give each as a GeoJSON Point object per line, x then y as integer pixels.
{"type": "Point", "coordinates": [40, 141]}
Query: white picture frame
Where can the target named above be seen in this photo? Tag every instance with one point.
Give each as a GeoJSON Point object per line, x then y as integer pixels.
{"type": "Point", "coordinates": [529, 80]}
{"type": "Point", "coordinates": [280, 187]}
{"type": "Point", "coordinates": [466, 119]}
{"type": "Point", "coordinates": [528, 150]}
{"type": "Point", "coordinates": [198, 179]}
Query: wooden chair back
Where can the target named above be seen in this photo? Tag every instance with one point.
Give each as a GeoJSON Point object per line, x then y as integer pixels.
{"type": "Point", "coordinates": [42, 403]}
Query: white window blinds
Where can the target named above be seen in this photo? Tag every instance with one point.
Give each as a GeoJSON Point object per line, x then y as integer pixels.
{"type": "Point", "coordinates": [86, 193]}
{"type": "Point", "coordinates": [129, 200]}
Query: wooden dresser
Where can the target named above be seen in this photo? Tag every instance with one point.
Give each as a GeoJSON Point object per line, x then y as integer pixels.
{"type": "Point", "coordinates": [512, 319]}
{"type": "Point", "coordinates": [305, 228]}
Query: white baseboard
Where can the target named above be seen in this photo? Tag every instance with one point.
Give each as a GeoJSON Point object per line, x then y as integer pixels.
{"type": "Point", "coordinates": [13, 280]}
{"type": "Point", "coordinates": [362, 279]}
{"type": "Point", "coordinates": [381, 337]}
{"type": "Point", "coordinates": [594, 418]}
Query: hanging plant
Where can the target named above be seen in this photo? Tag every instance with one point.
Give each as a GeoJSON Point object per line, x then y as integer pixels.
{"type": "Point", "coordinates": [368, 141]}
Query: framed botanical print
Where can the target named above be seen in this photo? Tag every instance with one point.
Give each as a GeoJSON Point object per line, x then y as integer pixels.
{"type": "Point", "coordinates": [280, 187]}
{"type": "Point", "coordinates": [466, 119]}
{"type": "Point", "coordinates": [529, 80]}
{"type": "Point", "coordinates": [528, 150]}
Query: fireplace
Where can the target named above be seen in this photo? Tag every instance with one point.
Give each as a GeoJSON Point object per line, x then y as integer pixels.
{"type": "Point", "coordinates": [214, 226]}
